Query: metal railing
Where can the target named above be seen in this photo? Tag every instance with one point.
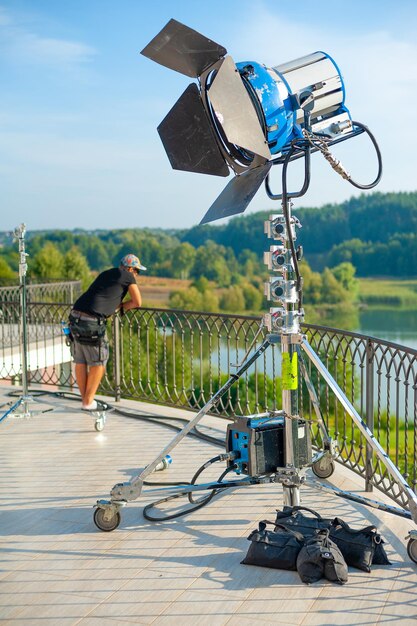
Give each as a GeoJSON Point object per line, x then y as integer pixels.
{"type": "Point", "coordinates": [66, 292]}
{"type": "Point", "coordinates": [181, 358]}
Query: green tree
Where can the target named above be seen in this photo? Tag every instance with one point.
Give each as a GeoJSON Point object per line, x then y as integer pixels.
{"type": "Point", "coordinates": [332, 291]}
{"type": "Point", "coordinates": [76, 267]}
{"type": "Point", "coordinates": [183, 257]}
{"type": "Point", "coordinates": [210, 299]}
{"type": "Point", "coordinates": [48, 263]}
{"type": "Point", "coordinates": [7, 275]}
{"type": "Point", "coordinates": [97, 255]}
{"type": "Point", "coordinates": [312, 284]}
{"type": "Point", "coordinates": [252, 296]}
{"type": "Point", "coordinates": [232, 299]}
{"type": "Point", "coordinates": [345, 275]}
{"type": "Point", "coordinates": [187, 299]}
{"type": "Point", "coordinates": [210, 262]}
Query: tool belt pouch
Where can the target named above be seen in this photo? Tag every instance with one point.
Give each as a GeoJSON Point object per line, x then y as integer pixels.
{"type": "Point", "coordinates": [278, 549]}
{"type": "Point", "coordinates": [294, 519]}
{"type": "Point", "coordinates": [360, 548]}
{"type": "Point", "coordinates": [86, 332]}
{"type": "Point", "coordinates": [319, 558]}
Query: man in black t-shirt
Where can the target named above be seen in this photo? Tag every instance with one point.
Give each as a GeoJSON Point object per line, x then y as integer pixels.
{"type": "Point", "coordinates": [89, 346]}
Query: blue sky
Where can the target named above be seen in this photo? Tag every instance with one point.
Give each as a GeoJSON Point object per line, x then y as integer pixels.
{"type": "Point", "coordinates": [80, 105]}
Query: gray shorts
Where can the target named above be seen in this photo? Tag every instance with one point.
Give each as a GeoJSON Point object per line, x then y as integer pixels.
{"type": "Point", "coordinates": [84, 354]}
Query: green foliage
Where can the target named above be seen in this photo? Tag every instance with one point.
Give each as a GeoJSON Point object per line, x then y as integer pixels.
{"type": "Point", "coordinates": [187, 299]}
{"type": "Point", "coordinates": [332, 290]}
{"type": "Point", "coordinates": [48, 263]}
{"type": "Point", "coordinates": [76, 267]}
{"type": "Point", "coordinates": [345, 275]}
{"type": "Point", "coordinates": [252, 296]}
{"type": "Point", "coordinates": [183, 258]}
{"type": "Point", "coordinates": [198, 297]}
{"type": "Point", "coordinates": [232, 299]}
{"type": "Point", "coordinates": [251, 394]}
{"type": "Point", "coordinates": [153, 363]}
{"type": "Point", "coordinates": [210, 262]}
{"type": "Point", "coordinates": [371, 235]}
{"type": "Point", "coordinates": [375, 232]}
{"type": "Point", "coordinates": [7, 275]}
{"type": "Point", "coordinates": [389, 293]}
{"type": "Point", "coordinates": [312, 284]}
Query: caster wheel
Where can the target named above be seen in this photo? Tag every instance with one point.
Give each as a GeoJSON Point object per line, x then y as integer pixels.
{"type": "Point", "coordinates": [106, 525]}
{"type": "Point", "coordinates": [412, 549]}
{"type": "Point", "coordinates": [323, 472]}
{"type": "Point", "coordinates": [99, 424]}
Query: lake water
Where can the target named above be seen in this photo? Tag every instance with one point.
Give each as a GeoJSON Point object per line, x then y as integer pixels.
{"type": "Point", "coordinates": [399, 326]}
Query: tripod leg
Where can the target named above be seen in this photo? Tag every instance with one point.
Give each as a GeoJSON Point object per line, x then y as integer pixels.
{"type": "Point", "coordinates": [132, 490]}
{"type": "Point", "coordinates": [12, 409]}
{"type": "Point", "coordinates": [363, 428]}
{"type": "Point", "coordinates": [313, 397]}
{"type": "Point", "coordinates": [323, 465]}
{"type": "Point", "coordinates": [291, 495]}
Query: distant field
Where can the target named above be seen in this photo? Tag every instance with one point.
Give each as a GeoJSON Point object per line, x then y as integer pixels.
{"type": "Point", "coordinates": [388, 293]}
{"type": "Point", "coordinates": [156, 291]}
{"type": "Point", "coordinates": [372, 292]}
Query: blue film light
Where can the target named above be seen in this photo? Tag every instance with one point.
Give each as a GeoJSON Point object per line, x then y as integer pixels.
{"type": "Point", "coordinates": [246, 117]}
{"type": "Point", "coordinates": [274, 94]}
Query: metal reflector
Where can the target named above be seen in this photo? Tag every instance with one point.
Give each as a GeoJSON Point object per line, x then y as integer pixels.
{"type": "Point", "coordinates": [183, 49]}
{"type": "Point", "coordinates": [237, 194]}
{"type": "Point", "coordinates": [188, 137]}
{"type": "Point", "coordinates": [235, 111]}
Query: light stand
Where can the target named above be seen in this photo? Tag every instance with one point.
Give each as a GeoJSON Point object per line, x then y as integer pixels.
{"type": "Point", "coordinates": [240, 117]}
{"type": "Point", "coordinates": [21, 407]}
{"type": "Point", "coordinates": [284, 326]}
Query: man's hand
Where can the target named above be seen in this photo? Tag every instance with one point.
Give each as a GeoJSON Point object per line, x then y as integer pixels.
{"type": "Point", "coordinates": [135, 299]}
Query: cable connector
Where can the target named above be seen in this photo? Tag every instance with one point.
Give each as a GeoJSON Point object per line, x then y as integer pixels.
{"type": "Point", "coordinates": [336, 164]}
{"type": "Point", "coordinates": [229, 456]}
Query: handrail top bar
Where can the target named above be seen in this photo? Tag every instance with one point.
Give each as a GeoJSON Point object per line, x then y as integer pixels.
{"type": "Point", "coordinates": [254, 318]}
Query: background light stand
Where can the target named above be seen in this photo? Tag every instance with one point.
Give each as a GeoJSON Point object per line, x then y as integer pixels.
{"type": "Point", "coordinates": [22, 407]}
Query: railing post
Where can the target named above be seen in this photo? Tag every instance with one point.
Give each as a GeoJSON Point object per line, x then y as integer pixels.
{"type": "Point", "coordinates": [369, 411]}
{"type": "Point", "coordinates": [116, 358]}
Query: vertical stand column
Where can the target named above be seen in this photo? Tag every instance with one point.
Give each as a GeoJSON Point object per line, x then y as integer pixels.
{"type": "Point", "coordinates": [20, 234]}
{"type": "Point", "coordinates": [22, 406]}
{"type": "Point", "coordinates": [284, 320]}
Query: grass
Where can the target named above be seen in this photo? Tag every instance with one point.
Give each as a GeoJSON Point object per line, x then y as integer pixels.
{"type": "Point", "coordinates": [156, 290]}
{"type": "Point", "coordinates": [387, 435]}
{"type": "Point", "coordinates": [374, 293]}
{"type": "Point", "coordinates": [386, 293]}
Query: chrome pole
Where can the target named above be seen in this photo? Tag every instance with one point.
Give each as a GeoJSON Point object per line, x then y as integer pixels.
{"type": "Point", "coordinates": [20, 233]}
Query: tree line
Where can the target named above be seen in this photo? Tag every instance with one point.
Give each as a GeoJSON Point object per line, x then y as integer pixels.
{"type": "Point", "coordinates": [372, 235]}
{"type": "Point", "coordinates": [375, 232]}
{"type": "Point", "coordinates": [220, 279]}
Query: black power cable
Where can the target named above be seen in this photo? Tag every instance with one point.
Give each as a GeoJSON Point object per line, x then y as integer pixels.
{"type": "Point", "coordinates": [160, 420]}
{"type": "Point", "coordinates": [379, 157]}
{"type": "Point", "coordinates": [198, 503]}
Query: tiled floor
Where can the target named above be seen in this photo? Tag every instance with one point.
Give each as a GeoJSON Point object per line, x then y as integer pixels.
{"type": "Point", "coordinates": [58, 568]}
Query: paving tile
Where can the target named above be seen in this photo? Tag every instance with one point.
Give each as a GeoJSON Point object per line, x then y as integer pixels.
{"type": "Point", "coordinates": [130, 608]}
{"type": "Point", "coordinates": [21, 584]}
{"type": "Point", "coordinates": [192, 620]}
{"type": "Point", "coordinates": [197, 604]}
{"type": "Point", "coordinates": [56, 607]}
{"type": "Point", "coordinates": [276, 620]}
{"type": "Point", "coordinates": [101, 621]}
{"type": "Point", "coordinates": [58, 568]}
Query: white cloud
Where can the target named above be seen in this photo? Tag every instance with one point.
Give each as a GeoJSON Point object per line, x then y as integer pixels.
{"type": "Point", "coordinates": [43, 50]}
{"type": "Point", "coordinates": [21, 45]}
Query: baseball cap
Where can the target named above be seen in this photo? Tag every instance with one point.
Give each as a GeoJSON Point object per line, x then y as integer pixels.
{"type": "Point", "coordinates": [130, 260]}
